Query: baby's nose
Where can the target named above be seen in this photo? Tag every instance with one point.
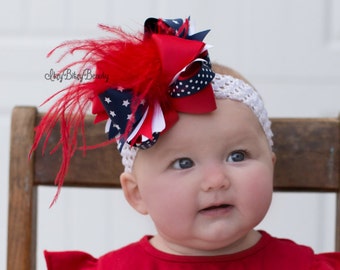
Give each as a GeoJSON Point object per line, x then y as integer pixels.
{"type": "Point", "coordinates": [215, 177]}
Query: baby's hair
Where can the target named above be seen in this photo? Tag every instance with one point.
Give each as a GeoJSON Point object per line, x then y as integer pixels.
{"type": "Point", "coordinates": [225, 70]}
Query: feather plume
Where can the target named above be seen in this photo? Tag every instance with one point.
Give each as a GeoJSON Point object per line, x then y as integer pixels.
{"type": "Point", "coordinates": [129, 62]}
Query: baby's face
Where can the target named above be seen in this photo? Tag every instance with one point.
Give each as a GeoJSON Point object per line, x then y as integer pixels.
{"type": "Point", "coordinates": [207, 182]}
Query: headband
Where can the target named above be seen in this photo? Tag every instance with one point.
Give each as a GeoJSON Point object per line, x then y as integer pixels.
{"type": "Point", "coordinates": [151, 77]}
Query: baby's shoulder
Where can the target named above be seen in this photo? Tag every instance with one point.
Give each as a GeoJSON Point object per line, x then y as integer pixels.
{"type": "Point", "coordinates": [79, 260]}
{"type": "Point", "coordinates": [288, 251]}
{"type": "Point", "coordinates": [327, 261]}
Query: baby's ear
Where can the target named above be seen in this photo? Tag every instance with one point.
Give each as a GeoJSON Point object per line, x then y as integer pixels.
{"type": "Point", "coordinates": [273, 158]}
{"type": "Point", "coordinates": [131, 192]}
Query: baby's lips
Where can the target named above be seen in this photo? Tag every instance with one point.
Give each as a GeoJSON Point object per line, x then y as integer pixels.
{"type": "Point", "coordinates": [216, 206]}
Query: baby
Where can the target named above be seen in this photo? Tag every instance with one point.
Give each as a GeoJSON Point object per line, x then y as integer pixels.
{"type": "Point", "coordinates": [196, 145]}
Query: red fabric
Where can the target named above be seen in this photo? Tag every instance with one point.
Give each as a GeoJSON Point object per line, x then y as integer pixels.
{"type": "Point", "coordinates": [201, 102]}
{"type": "Point", "coordinates": [268, 254]}
{"type": "Point", "coordinates": [67, 260]}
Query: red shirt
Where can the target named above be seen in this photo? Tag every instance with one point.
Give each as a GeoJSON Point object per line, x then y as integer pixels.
{"type": "Point", "coordinates": [268, 254]}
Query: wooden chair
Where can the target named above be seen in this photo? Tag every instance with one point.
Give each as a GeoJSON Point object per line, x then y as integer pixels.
{"type": "Point", "coordinates": [307, 160]}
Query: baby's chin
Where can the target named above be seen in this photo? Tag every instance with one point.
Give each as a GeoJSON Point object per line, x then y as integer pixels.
{"type": "Point", "coordinates": [206, 247]}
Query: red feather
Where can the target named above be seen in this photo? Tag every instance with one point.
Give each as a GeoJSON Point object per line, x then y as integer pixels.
{"type": "Point", "coordinates": [130, 63]}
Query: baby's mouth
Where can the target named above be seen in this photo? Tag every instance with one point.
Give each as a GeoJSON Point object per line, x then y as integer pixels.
{"type": "Point", "coordinates": [215, 209]}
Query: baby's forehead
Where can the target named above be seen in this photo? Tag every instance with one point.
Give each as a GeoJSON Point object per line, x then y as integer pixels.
{"type": "Point", "coordinates": [230, 119]}
{"type": "Point", "coordinates": [228, 112]}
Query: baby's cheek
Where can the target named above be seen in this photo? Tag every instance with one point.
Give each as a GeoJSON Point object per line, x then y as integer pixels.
{"type": "Point", "coordinates": [259, 192]}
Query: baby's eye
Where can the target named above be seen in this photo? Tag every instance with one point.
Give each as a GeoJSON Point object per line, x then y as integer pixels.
{"type": "Point", "coordinates": [182, 163]}
{"type": "Point", "coordinates": [237, 156]}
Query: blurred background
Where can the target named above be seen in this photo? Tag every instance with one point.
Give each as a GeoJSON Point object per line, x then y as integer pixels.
{"type": "Point", "coordinates": [288, 49]}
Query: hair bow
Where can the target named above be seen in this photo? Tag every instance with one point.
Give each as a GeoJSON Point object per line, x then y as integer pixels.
{"type": "Point", "coordinates": [180, 64]}
{"type": "Point", "coordinates": [152, 76]}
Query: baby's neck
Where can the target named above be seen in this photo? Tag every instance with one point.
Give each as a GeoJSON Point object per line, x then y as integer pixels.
{"type": "Point", "coordinates": [246, 242]}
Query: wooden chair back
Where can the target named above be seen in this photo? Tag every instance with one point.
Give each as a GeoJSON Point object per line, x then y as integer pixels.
{"type": "Point", "coordinates": [307, 160]}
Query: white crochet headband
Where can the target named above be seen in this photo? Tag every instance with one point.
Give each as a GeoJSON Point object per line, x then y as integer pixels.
{"type": "Point", "coordinates": [224, 86]}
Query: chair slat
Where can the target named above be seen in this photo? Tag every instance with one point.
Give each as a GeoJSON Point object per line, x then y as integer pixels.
{"type": "Point", "coordinates": [307, 157]}
{"type": "Point", "coordinates": [100, 167]}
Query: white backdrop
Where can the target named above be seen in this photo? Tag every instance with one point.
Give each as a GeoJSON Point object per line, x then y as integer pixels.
{"type": "Point", "coordinates": [289, 49]}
